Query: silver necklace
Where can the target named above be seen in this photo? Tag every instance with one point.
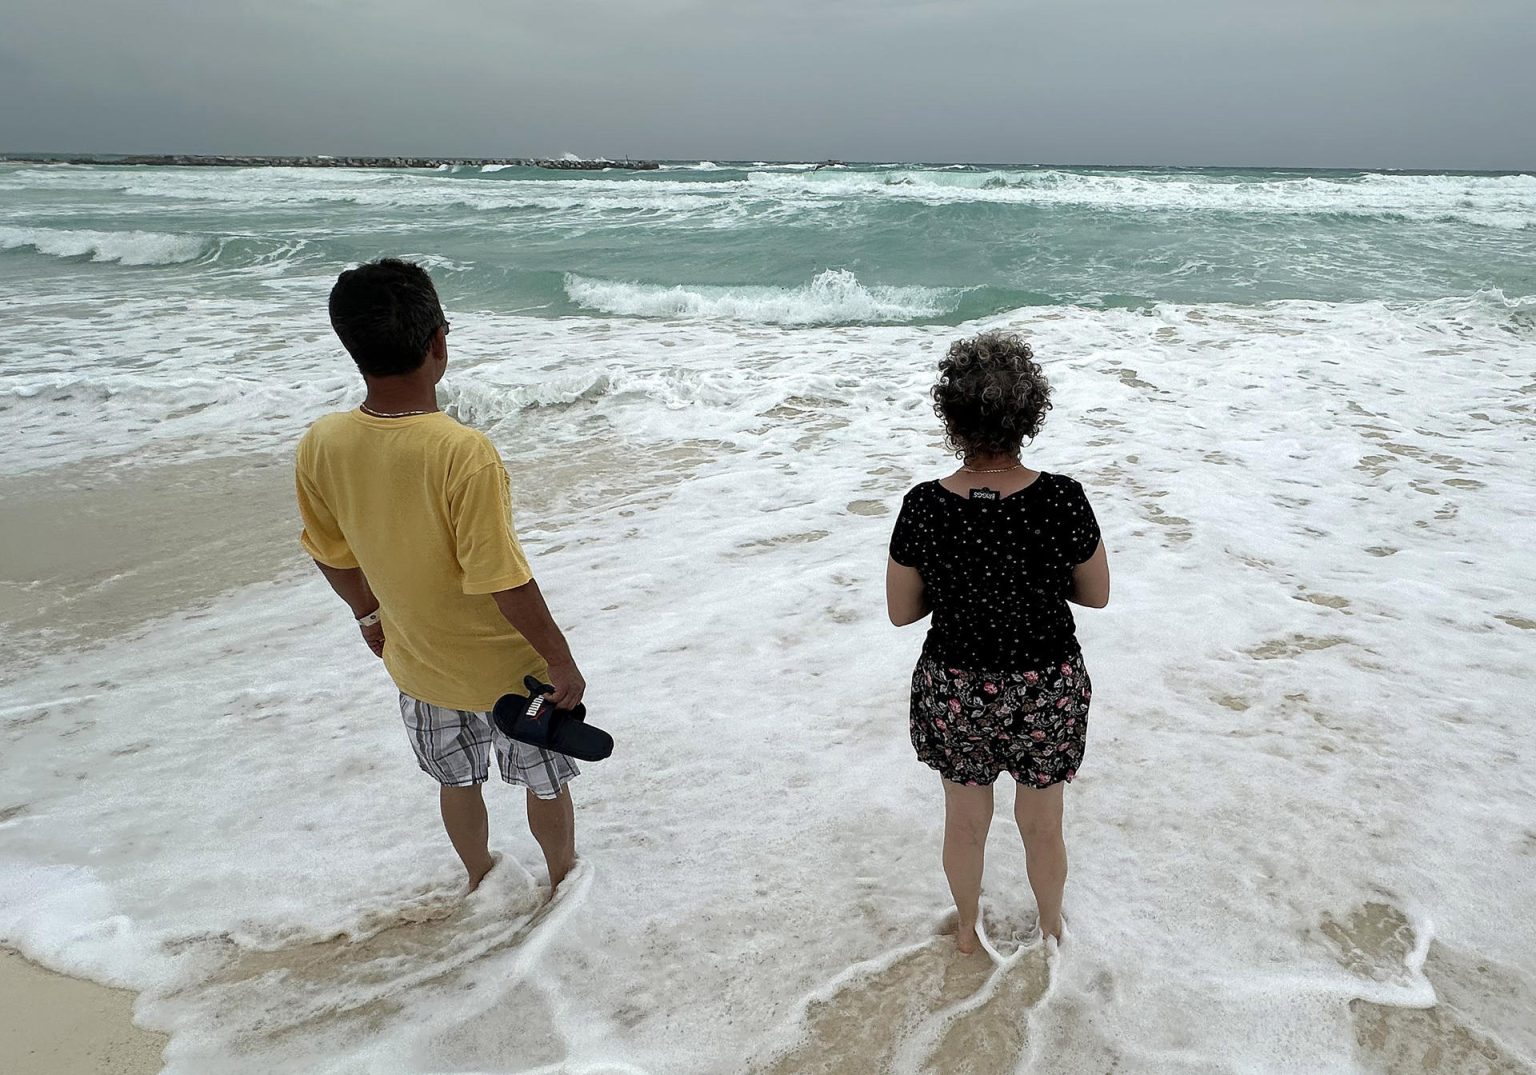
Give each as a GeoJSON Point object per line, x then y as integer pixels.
{"type": "Point", "coordinates": [998, 470]}
{"type": "Point", "coordinates": [391, 414]}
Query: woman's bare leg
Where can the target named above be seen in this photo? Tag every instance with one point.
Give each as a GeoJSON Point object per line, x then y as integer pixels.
{"type": "Point", "coordinates": [1038, 812]}
{"type": "Point", "coordinates": [967, 817]}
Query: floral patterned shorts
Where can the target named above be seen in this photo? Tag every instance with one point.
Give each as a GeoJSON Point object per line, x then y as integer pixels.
{"type": "Point", "coordinates": [970, 726]}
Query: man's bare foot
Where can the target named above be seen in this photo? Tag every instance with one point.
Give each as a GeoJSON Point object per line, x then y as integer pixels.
{"type": "Point", "coordinates": [1051, 931]}
{"type": "Point", "coordinates": [559, 872]}
{"type": "Point", "coordinates": [966, 940]}
{"type": "Point", "coordinates": [478, 871]}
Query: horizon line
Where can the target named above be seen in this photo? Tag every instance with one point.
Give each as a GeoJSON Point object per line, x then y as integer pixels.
{"type": "Point", "coordinates": [45, 156]}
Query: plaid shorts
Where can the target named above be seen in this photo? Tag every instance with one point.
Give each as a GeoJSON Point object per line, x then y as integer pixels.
{"type": "Point", "coordinates": [453, 746]}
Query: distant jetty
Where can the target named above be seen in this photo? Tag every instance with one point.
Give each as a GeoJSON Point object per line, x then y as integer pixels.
{"type": "Point", "coordinates": [598, 165]}
{"type": "Point", "coordinates": [185, 160]}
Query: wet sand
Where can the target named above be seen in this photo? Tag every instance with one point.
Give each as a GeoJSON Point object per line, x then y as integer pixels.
{"type": "Point", "coordinates": [94, 551]}
{"type": "Point", "coordinates": [51, 1024]}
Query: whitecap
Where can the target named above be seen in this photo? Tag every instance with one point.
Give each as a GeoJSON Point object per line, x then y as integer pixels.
{"type": "Point", "coordinates": [834, 296]}
{"type": "Point", "coordinates": [123, 247]}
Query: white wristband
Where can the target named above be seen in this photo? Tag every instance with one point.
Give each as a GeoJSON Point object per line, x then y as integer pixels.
{"type": "Point", "coordinates": [369, 620]}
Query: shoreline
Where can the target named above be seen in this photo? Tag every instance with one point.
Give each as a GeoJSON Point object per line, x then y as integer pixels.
{"type": "Point", "coordinates": [52, 1024]}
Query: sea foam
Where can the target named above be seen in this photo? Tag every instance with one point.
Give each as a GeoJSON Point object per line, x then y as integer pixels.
{"type": "Point", "coordinates": [1317, 506]}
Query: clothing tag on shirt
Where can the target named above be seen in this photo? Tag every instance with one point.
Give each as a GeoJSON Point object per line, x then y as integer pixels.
{"type": "Point", "coordinates": [983, 494]}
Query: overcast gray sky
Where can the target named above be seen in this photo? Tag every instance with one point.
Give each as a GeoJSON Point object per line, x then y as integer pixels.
{"type": "Point", "coordinates": [1348, 83]}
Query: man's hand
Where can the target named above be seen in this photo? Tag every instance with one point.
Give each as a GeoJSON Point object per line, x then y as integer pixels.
{"type": "Point", "coordinates": [568, 684]}
{"type": "Point", "coordinates": [524, 609]}
{"type": "Point", "coordinates": [351, 585]}
{"type": "Point", "coordinates": [374, 636]}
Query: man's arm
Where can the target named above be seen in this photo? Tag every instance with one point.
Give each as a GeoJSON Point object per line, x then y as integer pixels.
{"type": "Point", "coordinates": [351, 585]}
{"type": "Point", "coordinates": [525, 610]}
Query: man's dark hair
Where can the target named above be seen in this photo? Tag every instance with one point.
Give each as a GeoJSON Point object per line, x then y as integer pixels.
{"type": "Point", "coordinates": [386, 313]}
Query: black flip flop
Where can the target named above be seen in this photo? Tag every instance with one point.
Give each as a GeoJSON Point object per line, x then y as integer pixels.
{"type": "Point", "coordinates": [533, 720]}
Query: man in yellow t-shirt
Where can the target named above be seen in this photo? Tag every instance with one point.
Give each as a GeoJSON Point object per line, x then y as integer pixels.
{"type": "Point", "coordinates": [408, 514]}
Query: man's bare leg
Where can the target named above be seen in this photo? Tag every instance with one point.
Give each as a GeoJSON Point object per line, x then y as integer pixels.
{"type": "Point", "coordinates": [967, 817]}
{"type": "Point", "coordinates": [464, 817]}
{"type": "Point", "coordinates": [553, 824]}
{"type": "Point", "coordinates": [1038, 812]}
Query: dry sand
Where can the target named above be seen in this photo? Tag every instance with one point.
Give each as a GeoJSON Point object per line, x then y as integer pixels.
{"type": "Point", "coordinates": [51, 1024]}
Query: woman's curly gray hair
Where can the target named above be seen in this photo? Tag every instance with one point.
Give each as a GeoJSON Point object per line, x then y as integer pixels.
{"type": "Point", "coordinates": [991, 394]}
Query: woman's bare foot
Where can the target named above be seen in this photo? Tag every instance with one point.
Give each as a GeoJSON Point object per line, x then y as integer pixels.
{"type": "Point", "coordinates": [966, 940]}
{"type": "Point", "coordinates": [1051, 931]}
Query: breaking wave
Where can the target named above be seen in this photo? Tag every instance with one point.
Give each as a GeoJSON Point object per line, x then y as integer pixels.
{"type": "Point", "coordinates": [835, 296]}
{"type": "Point", "coordinates": [123, 247]}
{"type": "Point", "coordinates": [1507, 201]}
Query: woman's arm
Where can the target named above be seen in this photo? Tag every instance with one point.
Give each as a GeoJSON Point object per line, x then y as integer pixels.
{"type": "Point", "coordinates": [905, 599]}
{"type": "Point", "coordinates": [1090, 580]}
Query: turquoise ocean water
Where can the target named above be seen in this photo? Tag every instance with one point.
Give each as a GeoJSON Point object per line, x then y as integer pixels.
{"type": "Point", "coordinates": [862, 244]}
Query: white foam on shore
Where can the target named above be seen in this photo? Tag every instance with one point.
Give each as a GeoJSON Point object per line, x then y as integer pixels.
{"type": "Point", "coordinates": [208, 379]}
{"type": "Point", "coordinates": [69, 919]}
{"type": "Point", "coordinates": [1320, 640]}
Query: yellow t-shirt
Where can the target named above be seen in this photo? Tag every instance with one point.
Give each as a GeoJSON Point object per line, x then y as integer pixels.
{"type": "Point", "coordinates": [423, 506]}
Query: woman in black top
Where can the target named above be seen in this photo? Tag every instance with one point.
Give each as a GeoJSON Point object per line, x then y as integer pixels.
{"type": "Point", "coordinates": [995, 551]}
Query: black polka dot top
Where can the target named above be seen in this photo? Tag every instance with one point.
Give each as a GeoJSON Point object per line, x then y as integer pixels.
{"type": "Point", "coordinates": [997, 571]}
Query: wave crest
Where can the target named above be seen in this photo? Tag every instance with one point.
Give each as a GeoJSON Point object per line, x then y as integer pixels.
{"type": "Point", "coordinates": [1501, 201]}
{"type": "Point", "coordinates": [835, 296]}
{"type": "Point", "coordinates": [123, 247]}
{"type": "Point", "coordinates": [480, 404]}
